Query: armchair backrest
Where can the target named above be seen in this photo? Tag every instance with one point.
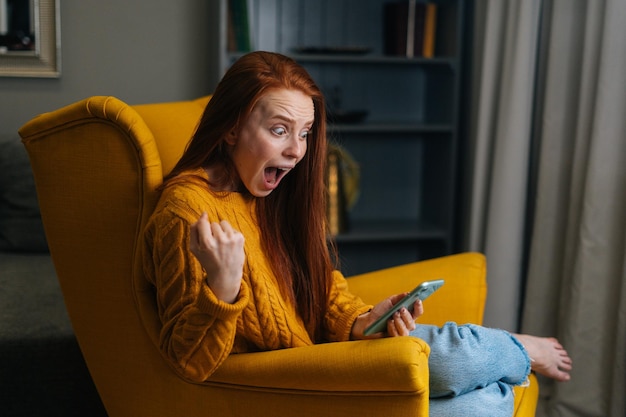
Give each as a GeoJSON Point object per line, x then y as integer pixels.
{"type": "Point", "coordinates": [97, 164]}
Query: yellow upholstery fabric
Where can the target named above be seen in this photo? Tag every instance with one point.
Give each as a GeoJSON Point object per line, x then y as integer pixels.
{"type": "Point", "coordinates": [97, 164]}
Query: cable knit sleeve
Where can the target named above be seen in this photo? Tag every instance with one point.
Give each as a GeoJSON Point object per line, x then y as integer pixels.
{"type": "Point", "coordinates": [344, 307]}
{"type": "Point", "coordinates": [198, 329]}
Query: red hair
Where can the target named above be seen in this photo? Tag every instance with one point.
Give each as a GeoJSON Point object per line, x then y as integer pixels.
{"type": "Point", "coordinates": [292, 218]}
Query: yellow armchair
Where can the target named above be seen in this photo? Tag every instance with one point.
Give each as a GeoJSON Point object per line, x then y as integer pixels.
{"type": "Point", "coordinates": [97, 164]}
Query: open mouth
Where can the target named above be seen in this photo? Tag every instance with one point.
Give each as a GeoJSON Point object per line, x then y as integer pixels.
{"type": "Point", "coordinates": [273, 175]}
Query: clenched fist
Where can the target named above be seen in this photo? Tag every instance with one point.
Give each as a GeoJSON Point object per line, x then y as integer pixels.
{"type": "Point", "coordinates": [219, 249]}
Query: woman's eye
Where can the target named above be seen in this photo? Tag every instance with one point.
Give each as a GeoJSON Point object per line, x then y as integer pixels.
{"type": "Point", "coordinates": [305, 134]}
{"type": "Point", "coordinates": [279, 131]}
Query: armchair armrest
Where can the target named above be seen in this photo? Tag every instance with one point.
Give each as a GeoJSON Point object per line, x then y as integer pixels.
{"type": "Point", "coordinates": [391, 365]}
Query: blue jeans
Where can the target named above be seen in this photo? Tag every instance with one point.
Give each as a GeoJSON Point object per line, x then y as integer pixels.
{"type": "Point", "coordinates": [472, 369]}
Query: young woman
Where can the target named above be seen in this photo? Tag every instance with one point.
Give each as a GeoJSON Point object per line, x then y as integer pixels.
{"type": "Point", "coordinates": [237, 251]}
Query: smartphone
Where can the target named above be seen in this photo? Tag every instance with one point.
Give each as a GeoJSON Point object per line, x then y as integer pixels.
{"type": "Point", "coordinates": [422, 291]}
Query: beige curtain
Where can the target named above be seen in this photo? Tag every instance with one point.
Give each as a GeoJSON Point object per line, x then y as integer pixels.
{"type": "Point", "coordinates": [564, 179]}
{"type": "Point", "coordinates": [505, 61]}
{"type": "Point", "coordinates": [577, 267]}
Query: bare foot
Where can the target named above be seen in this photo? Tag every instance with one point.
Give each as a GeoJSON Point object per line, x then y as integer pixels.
{"type": "Point", "coordinates": [548, 357]}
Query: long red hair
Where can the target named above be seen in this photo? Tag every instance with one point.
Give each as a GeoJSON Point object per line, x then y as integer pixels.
{"type": "Point", "coordinates": [292, 218]}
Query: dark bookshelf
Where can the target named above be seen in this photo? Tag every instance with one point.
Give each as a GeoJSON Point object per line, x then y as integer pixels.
{"type": "Point", "coordinates": [407, 144]}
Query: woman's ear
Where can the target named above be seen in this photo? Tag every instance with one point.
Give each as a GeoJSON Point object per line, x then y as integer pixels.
{"type": "Point", "coordinates": [231, 138]}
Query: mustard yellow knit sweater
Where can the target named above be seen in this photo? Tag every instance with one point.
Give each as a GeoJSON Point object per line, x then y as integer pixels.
{"type": "Point", "coordinates": [198, 330]}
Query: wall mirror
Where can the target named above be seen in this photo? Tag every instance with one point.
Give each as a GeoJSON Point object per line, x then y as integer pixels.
{"type": "Point", "coordinates": [30, 40]}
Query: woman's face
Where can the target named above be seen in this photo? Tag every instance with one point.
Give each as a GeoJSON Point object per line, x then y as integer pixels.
{"type": "Point", "coordinates": [272, 140]}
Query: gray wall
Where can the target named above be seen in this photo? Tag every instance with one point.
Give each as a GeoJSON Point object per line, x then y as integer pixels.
{"type": "Point", "coordinates": [140, 51]}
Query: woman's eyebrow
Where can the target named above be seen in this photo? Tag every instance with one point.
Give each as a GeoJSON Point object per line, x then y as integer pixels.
{"type": "Point", "coordinates": [282, 117]}
{"type": "Point", "coordinates": [289, 119]}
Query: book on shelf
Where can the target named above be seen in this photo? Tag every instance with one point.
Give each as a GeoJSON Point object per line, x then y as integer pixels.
{"type": "Point", "coordinates": [409, 28]}
{"type": "Point", "coordinates": [239, 33]}
{"type": "Point", "coordinates": [430, 26]}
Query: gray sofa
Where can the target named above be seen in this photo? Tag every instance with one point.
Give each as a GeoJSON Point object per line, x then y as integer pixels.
{"type": "Point", "coordinates": [42, 372]}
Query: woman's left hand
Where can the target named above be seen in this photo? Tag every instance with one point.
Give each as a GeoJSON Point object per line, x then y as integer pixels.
{"type": "Point", "coordinates": [400, 324]}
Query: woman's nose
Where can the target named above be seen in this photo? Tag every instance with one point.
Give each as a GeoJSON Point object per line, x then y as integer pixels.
{"type": "Point", "coordinates": [296, 148]}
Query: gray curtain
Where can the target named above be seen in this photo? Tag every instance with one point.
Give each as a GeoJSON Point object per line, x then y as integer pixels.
{"type": "Point", "coordinates": [504, 75]}
{"type": "Point", "coordinates": [577, 266]}
{"type": "Point", "coordinates": [572, 157]}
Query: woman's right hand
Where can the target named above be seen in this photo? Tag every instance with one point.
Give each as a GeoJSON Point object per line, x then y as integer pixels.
{"type": "Point", "coordinates": [219, 249]}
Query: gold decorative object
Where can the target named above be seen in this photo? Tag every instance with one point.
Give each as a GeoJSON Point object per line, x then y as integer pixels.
{"type": "Point", "coordinates": [342, 180]}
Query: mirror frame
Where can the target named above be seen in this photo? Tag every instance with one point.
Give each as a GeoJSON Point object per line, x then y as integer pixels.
{"type": "Point", "coordinates": [45, 61]}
